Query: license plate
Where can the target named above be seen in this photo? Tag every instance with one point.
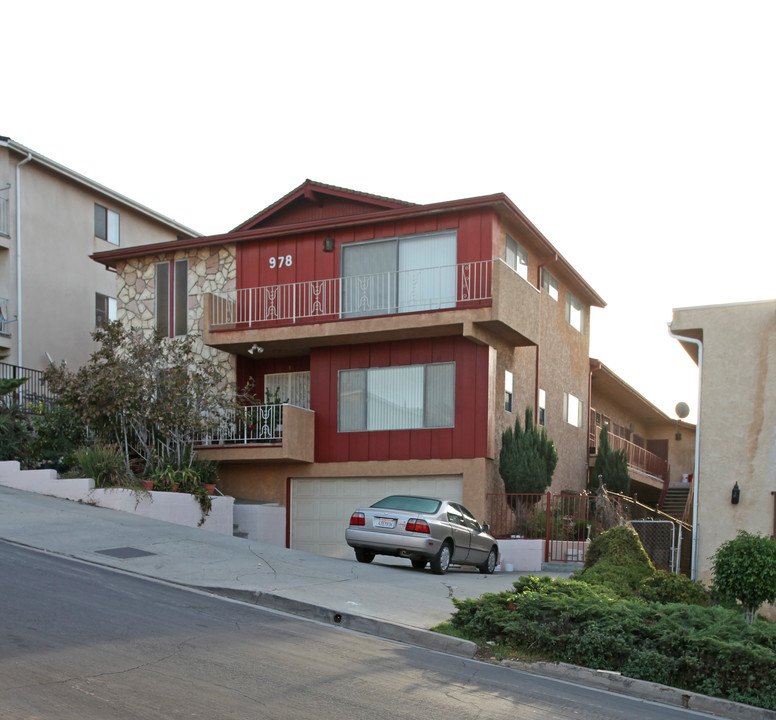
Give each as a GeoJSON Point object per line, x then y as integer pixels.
{"type": "Point", "coordinates": [385, 523]}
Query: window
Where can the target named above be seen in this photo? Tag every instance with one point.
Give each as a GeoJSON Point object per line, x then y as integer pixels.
{"type": "Point", "coordinates": [508, 382]}
{"type": "Point", "coordinates": [104, 309]}
{"type": "Point", "coordinates": [542, 417]}
{"type": "Point", "coordinates": [517, 257]}
{"type": "Point", "coordinates": [575, 313]}
{"type": "Point", "coordinates": [403, 274]}
{"type": "Point", "coordinates": [396, 398]}
{"type": "Point", "coordinates": [293, 387]}
{"type": "Point", "coordinates": [572, 410]}
{"type": "Point", "coordinates": [4, 215]}
{"type": "Point", "coordinates": [549, 284]}
{"type": "Point", "coordinates": [106, 224]}
{"type": "Point", "coordinates": [172, 297]}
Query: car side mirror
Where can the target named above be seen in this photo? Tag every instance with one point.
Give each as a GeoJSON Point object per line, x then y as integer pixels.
{"type": "Point", "coordinates": [485, 527]}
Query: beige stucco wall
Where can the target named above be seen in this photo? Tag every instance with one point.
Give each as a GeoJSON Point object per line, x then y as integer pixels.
{"type": "Point", "coordinates": [737, 423]}
{"type": "Point", "coordinates": [59, 279]}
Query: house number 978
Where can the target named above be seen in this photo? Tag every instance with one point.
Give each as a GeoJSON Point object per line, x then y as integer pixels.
{"type": "Point", "coordinates": [281, 261]}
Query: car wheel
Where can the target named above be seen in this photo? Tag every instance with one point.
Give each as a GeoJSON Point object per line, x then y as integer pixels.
{"type": "Point", "coordinates": [419, 563]}
{"type": "Point", "coordinates": [441, 562]}
{"type": "Point", "coordinates": [363, 555]}
{"type": "Point", "coordinates": [490, 564]}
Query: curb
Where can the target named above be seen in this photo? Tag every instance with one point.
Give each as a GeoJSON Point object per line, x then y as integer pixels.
{"type": "Point", "coordinates": [654, 692]}
{"type": "Point", "coordinates": [370, 626]}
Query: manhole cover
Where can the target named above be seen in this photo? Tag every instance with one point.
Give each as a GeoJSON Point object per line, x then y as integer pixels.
{"type": "Point", "coordinates": [125, 552]}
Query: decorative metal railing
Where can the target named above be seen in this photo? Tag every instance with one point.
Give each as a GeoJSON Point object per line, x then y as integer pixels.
{"type": "Point", "coordinates": [249, 425]}
{"type": "Point", "coordinates": [355, 296]}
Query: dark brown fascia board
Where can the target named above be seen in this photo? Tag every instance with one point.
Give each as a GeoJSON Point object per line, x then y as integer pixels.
{"type": "Point", "coordinates": [499, 202]}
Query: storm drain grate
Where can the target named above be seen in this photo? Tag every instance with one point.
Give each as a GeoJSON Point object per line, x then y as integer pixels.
{"type": "Point", "coordinates": [125, 552]}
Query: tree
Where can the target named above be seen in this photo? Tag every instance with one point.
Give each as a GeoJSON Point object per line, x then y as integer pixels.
{"type": "Point", "coordinates": [151, 396]}
{"type": "Point", "coordinates": [611, 466]}
{"type": "Point", "coordinates": [745, 570]}
{"type": "Point", "coordinates": [528, 457]}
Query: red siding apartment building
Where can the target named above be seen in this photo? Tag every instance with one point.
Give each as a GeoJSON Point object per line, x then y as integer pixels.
{"type": "Point", "coordinates": [402, 339]}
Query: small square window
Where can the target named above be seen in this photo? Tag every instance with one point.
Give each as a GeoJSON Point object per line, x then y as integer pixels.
{"type": "Point", "coordinates": [573, 409]}
{"type": "Point", "coordinates": [104, 309]}
{"type": "Point", "coordinates": [575, 313]}
{"type": "Point", "coordinates": [508, 384]}
{"type": "Point", "coordinates": [549, 284]}
{"type": "Point", "coordinates": [516, 257]}
{"type": "Point", "coordinates": [106, 224]}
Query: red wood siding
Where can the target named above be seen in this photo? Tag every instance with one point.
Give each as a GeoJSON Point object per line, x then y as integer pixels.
{"type": "Point", "coordinates": [468, 438]}
{"type": "Point", "coordinates": [477, 240]}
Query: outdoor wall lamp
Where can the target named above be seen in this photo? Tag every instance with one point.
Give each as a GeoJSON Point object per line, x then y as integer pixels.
{"type": "Point", "coordinates": [736, 495]}
{"type": "Point", "coordinates": [255, 349]}
{"type": "Point", "coordinates": [328, 244]}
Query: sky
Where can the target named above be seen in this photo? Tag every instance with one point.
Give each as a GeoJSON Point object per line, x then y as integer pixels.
{"type": "Point", "coordinates": [639, 137]}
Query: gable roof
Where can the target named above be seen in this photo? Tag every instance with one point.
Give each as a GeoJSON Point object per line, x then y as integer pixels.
{"type": "Point", "coordinates": [317, 201]}
{"type": "Point", "coordinates": [282, 213]}
{"type": "Point", "coordinates": [93, 186]}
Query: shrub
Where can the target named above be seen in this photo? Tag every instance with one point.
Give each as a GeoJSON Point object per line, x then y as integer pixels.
{"type": "Point", "coordinates": [105, 464]}
{"type": "Point", "coordinates": [745, 570]}
{"type": "Point", "coordinates": [664, 587]}
{"type": "Point", "coordinates": [617, 559]}
{"type": "Point", "coordinates": [706, 649]}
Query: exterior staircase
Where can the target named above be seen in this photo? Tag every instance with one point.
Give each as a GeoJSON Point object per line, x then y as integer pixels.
{"type": "Point", "coordinates": [676, 500]}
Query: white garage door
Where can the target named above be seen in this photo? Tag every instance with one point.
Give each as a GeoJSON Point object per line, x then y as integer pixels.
{"type": "Point", "coordinates": [321, 507]}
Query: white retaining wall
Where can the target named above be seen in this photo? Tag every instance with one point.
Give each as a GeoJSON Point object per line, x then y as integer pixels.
{"type": "Point", "coordinates": [178, 508]}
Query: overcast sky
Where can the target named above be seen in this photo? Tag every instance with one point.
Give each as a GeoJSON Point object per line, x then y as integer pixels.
{"type": "Point", "coordinates": [639, 137]}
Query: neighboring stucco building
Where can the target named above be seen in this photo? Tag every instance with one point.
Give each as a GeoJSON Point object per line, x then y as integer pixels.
{"type": "Point", "coordinates": [404, 337]}
{"type": "Point", "coordinates": [660, 450]}
{"type": "Point", "coordinates": [735, 348]}
{"type": "Point", "coordinates": [52, 295]}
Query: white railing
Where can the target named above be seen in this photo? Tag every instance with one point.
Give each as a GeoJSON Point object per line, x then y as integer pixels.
{"type": "Point", "coordinates": [247, 425]}
{"type": "Point", "coordinates": [356, 296]}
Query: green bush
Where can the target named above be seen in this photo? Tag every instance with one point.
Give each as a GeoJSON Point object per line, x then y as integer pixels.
{"type": "Point", "coordinates": [745, 570]}
{"type": "Point", "coordinates": [705, 649]}
{"type": "Point", "coordinates": [617, 559]}
{"type": "Point", "coordinates": [105, 464]}
{"type": "Point", "coordinates": [664, 587]}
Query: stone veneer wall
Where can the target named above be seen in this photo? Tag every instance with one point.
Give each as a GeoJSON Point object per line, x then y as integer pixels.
{"type": "Point", "coordinates": [211, 270]}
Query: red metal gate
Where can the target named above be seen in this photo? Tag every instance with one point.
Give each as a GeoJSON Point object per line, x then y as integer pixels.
{"type": "Point", "coordinates": [560, 520]}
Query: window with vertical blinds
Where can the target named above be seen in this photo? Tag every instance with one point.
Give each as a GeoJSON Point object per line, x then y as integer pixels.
{"type": "Point", "coordinates": [403, 274]}
{"type": "Point", "coordinates": [396, 398]}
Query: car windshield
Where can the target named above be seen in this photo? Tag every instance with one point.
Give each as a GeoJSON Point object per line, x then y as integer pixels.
{"type": "Point", "coordinates": [409, 503]}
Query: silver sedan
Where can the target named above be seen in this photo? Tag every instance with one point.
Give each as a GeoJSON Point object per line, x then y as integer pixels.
{"type": "Point", "coordinates": [423, 530]}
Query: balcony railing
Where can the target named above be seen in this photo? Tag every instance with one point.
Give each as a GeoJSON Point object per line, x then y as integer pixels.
{"type": "Point", "coordinates": [355, 296]}
{"type": "Point", "coordinates": [249, 425]}
{"type": "Point", "coordinates": [639, 458]}
{"type": "Point", "coordinates": [34, 394]}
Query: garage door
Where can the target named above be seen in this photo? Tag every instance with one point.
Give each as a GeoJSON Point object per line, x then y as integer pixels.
{"type": "Point", "coordinates": [321, 507]}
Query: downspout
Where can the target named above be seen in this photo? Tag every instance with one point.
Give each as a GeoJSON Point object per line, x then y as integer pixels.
{"type": "Point", "coordinates": [19, 260]}
{"type": "Point", "coordinates": [695, 488]}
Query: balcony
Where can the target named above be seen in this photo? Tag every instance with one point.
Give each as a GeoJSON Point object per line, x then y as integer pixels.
{"type": "Point", "coordinates": [478, 300]}
{"type": "Point", "coordinates": [639, 458]}
{"type": "Point", "coordinates": [262, 433]}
